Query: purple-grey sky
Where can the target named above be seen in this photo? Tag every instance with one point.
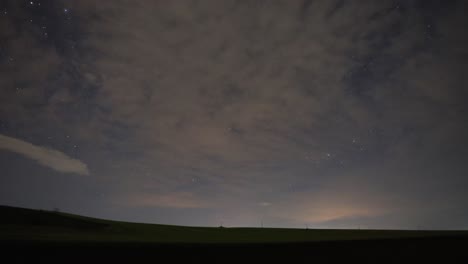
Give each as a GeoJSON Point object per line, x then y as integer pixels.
{"type": "Point", "coordinates": [325, 113]}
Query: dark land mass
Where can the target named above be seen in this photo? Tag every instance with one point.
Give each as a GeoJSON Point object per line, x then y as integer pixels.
{"type": "Point", "coordinates": [31, 236]}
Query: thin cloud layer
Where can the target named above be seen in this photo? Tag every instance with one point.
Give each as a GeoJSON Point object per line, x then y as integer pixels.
{"type": "Point", "coordinates": [50, 158]}
{"type": "Point", "coordinates": [170, 200]}
{"type": "Point", "coordinates": [250, 108]}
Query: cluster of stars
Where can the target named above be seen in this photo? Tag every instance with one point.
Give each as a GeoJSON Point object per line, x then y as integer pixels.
{"type": "Point", "coordinates": [43, 27]}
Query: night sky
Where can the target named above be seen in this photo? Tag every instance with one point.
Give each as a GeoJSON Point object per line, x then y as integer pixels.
{"type": "Point", "coordinates": [334, 114]}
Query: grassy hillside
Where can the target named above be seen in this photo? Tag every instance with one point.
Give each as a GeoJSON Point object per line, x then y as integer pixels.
{"type": "Point", "coordinates": [39, 225]}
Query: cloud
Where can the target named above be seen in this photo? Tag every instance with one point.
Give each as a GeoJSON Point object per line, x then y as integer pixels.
{"type": "Point", "coordinates": [258, 80]}
{"type": "Point", "coordinates": [51, 158]}
{"type": "Point", "coordinates": [170, 200]}
{"type": "Point", "coordinates": [267, 91]}
{"type": "Point", "coordinates": [252, 99]}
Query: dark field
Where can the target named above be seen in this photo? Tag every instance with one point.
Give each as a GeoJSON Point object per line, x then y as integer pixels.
{"type": "Point", "coordinates": [31, 235]}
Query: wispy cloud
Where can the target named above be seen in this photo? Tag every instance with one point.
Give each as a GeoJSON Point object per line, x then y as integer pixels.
{"type": "Point", "coordinates": [170, 200]}
{"type": "Point", "coordinates": [51, 158]}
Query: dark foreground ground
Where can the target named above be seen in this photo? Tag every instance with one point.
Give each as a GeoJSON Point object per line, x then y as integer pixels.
{"type": "Point", "coordinates": [414, 250]}
{"type": "Point", "coordinates": [33, 236]}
